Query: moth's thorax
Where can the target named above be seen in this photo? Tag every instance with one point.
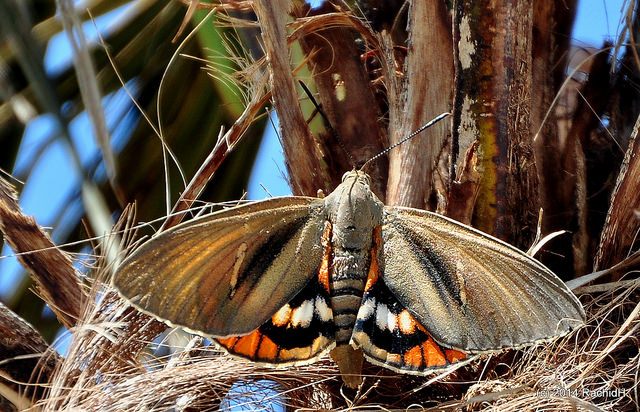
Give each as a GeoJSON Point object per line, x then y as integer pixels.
{"type": "Point", "coordinates": [354, 211]}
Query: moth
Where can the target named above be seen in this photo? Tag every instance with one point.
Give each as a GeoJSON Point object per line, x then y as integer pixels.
{"type": "Point", "coordinates": [284, 281]}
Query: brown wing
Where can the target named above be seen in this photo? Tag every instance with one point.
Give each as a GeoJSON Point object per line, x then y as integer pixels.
{"type": "Point", "coordinates": [470, 291]}
{"type": "Point", "coordinates": [227, 273]}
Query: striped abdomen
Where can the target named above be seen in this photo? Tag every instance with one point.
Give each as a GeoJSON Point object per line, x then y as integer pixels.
{"type": "Point", "coordinates": [348, 276]}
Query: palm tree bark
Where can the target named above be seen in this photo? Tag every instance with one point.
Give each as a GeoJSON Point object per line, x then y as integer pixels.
{"type": "Point", "coordinates": [492, 107]}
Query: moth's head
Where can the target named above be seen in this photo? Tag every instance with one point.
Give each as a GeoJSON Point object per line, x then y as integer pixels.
{"type": "Point", "coordinates": [353, 210]}
{"type": "Point", "coordinates": [357, 177]}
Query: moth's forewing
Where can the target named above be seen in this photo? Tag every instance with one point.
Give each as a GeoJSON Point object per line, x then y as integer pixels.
{"type": "Point", "coordinates": [227, 273]}
{"type": "Point", "coordinates": [469, 290]}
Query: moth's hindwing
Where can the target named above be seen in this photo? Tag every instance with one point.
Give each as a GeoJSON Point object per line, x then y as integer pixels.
{"type": "Point", "coordinates": [225, 274]}
{"type": "Point", "coordinates": [390, 336]}
{"type": "Point", "coordinates": [470, 291]}
{"type": "Point", "coordinates": [299, 332]}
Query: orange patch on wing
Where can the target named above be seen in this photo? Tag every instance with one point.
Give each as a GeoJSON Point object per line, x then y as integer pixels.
{"type": "Point", "coordinates": [426, 355]}
{"type": "Point", "coordinates": [323, 272]}
{"type": "Point", "coordinates": [246, 346]}
{"type": "Point", "coordinates": [433, 354]}
{"type": "Point", "coordinates": [413, 357]}
{"type": "Point", "coordinates": [453, 355]}
{"type": "Point", "coordinates": [268, 350]}
{"type": "Point", "coordinates": [374, 270]}
{"type": "Point", "coordinates": [228, 342]}
{"type": "Point", "coordinates": [254, 346]}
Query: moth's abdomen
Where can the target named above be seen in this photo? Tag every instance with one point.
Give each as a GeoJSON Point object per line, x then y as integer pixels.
{"type": "Point", "coordinates": [348, 276]}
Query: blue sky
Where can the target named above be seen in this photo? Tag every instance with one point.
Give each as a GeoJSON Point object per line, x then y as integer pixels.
{"type": "Point", "coordinates": [590, 29]}
{"type": "Point", "coordinates": [53, 179]}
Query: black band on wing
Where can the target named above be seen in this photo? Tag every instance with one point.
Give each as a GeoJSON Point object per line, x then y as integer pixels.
{"type": "Point", "coordinates": [431, 262]}
{"type": "Point", "coordinates": [310, 316]}
{"type": "Point", "coordinates": [263, 256]}
{"type": "Point", "coordinates": [394, 341]}
{"type": "Point", "coordinates": [299, 332]}
{"type": "Point", "coordinates": [390, 336]}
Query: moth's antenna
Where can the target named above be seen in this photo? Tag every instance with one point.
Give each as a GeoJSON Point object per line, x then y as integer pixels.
{"type": "Point", "coordinates": [420, 129]}
{"type": "Point", "coordinates": [326, 121]}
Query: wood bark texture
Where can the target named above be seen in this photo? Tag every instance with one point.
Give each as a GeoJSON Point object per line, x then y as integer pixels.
{"type": "Point", "coordinates": [426, 91]}
{"type": "Point", "coordinates": [493, 106]}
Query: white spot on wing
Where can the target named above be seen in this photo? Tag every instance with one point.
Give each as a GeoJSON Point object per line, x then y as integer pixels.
{"type": "Point", "coordinates": [382, 316]}
{"type": "Point", "coordinates": [302, 315]}
{"type": "Point", "coordinates": [323, 311]}
{"type": "Point", "coordinates": [367, 308]}
{"type": "Point", "coordinates": [392, 321]}
{"type": "Point", "coordinates": [406, 322]}
{"type": "Point", "coordinates": [281, 317]}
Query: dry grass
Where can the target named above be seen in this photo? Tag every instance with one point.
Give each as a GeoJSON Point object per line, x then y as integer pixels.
{"type": "Point", "coordinates": [594, 368]}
